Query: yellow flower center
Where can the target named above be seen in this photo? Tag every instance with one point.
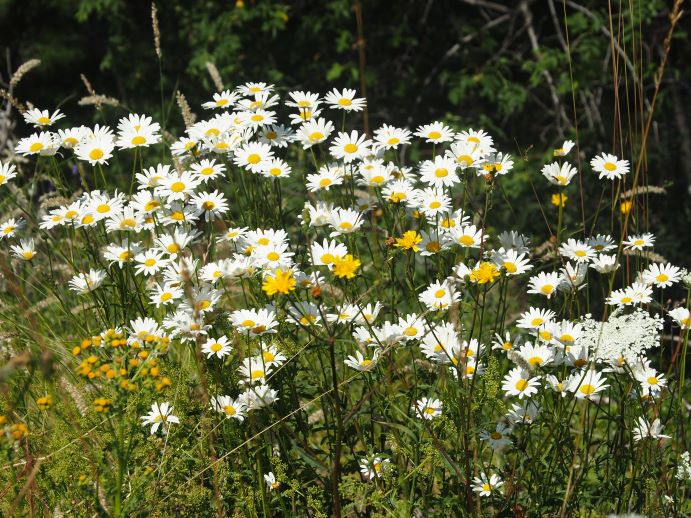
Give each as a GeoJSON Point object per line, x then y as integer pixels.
{"type": "Point", "coordinates": [229, 410]}
{"type": "Point", "coordinates": [273, 256]}
{"type": "Point", "coordinates": [652, 380]}
{"type": "Point", "coordinates": [96, 154]}
{"type": "Point", "coordinates": [43, 120]}
{"type": "Point", "coordinates": [662, 278]}
{"type": "Point", "coordinates": [324, 182]}
{"type": "Point", "coordinates": [316, 136]}
{"type": "Point", "coordinates": [547, 289]}
{"type": "Point", "coordinates": [439, 293]}
{"type": "Point", "coordinates": [433, 135]}
{"type": "Point", "coordinates": [138, 140]}
{"type": "Point", "coordinates": [545, 335]}
{"type": "Point", "coordinates": [350, 148]}
{"type": "Point", "coordinates": [128, 223]}
{"type": "Point", "coordinates": [165, 297]}
{"type": "Point", "coordinates": [521, 384]}
{"type": "Point", "coordinates": [150, 262]}
{"type": "Point", "coordinates": [435, 205]}
{"type": "Point", "coordinates": [177, 187]}
{"type": "Point", "coordinates": [433, 247]}
{"type": "Point", "coordinates": [536, 322]}
{"type": "Point", "coordinates": [466, 240]}
{"type": "Point", "coordinates": [465, 159]}
{"type": "Point", "coordinates": [610, 166]}
{"type": "Point", "coordinates": [254, 158]}
{"type": "Point", "coordinates": [216, 347]}
{"type": "Point", "coordinates": [535, 360]}
{"type": "Point", "coordinates": [441, 172]}
{"type": "Point", "coordinates": [256, 374]}
{"type": "Point", "coordinates": [496, 436]}
{"type": "Point", "coordinates": [587, 389]}
{"type": "Point", "coordinates": [393, 141]}
{"type": "Point", "coordinates": [36, 147]}
{"type": "Point", "coordinates": [344, 102]}
{"type": "Point", "coordinates": [410, 331]}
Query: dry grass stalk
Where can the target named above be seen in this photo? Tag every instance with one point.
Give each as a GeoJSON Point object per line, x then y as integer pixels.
{"type": "Point", "coordinates": [98, 101]}
{"type": "Point", "coordinates": [157, 32]}
{"type": "Point", "coordinates": [22, 70]}
{"type": "Point", "coordinates": [645, 189]}
{"type": "Point", "coordinates": [215, 76]}
{"type": "Point", "coordinates": [4, 94]}
{"type": "Point", "coordinates": [187, 114]}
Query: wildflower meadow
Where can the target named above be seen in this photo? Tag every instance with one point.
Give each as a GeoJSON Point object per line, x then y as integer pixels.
{"type": "Point", "coordinates": [265, 309]}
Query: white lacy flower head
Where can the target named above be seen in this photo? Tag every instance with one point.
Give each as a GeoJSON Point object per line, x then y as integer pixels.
{"type": "Point", "coordinates": [623, 337]}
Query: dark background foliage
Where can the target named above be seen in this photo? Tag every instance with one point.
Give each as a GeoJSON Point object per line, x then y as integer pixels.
{"type": "Point", "coordinates": [515, 68]}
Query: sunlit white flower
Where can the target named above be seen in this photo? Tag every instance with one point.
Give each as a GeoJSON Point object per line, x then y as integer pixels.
{"type": "Point", "coordinates": [225, 99]}
{"type": "Point", "coordinates": [439, 296]}
{"type": "Point", "coordinates": [137, 131]}
{"type": "Point", "coordinates": [559, 174]}
{"type": "Point", "coordinates": [271, 481]}
{"type": "Point", "coordinates": [511, 261]}
{"type": "Point", "coordinates": [682, 316]}
{"type": "Point", "coordinates": [519, 383]}
{"type": "Point", "coordinates": [390, 137]}
{"type": "Point", "coordinates": [349, 147]}
{"type": "Point", "coordinates": [440, 172]}
{"type": "Point", "coordinates": [41, 118]}
{"type": "Point", "coordinates": [150, 262]}
{"type": "Point", "coordinates": [344, 100]}
{"type": "Point", "coordinates": [639, 242]}
{"type": "Point", "coordinates": [176, 187]}
{"type": "Point", "coordinates": [43, 143]}
{"type": "Point", "coordinates": [314, 131]}
{"type": "Point", "coordinates": [7, 173]}
{"type": "Point", "coordinates": [361, 363]}
{"type": "Point", "coordinates": [428, 408]}
{"type": "Point", "coordinates": [435, 133]}
{"type": "Point", "coordinates": [25, 250]}
{"type": "Point", "coordinates": [83, 283]}
{"type": "Point", "coordinates": [661, 275]}
{"type": "Point", "coordinates": [646, 429]}
{"type": "Point", "coordinates": [565, 148]}
{"type": "Point", "coordinates": [609, 166]}
{"type": "Point", "coordinates": [229, 407]}
{"type": "Point", "coordinates": [605, 263]}
{"type": "Point", "coordinates": [486, 485]}
{"type": "Point", "coordinates": [577, 251]}
{"type": "Point", "coordinates": [535, 318]}
{"type": "Point", "coordinates": [544, 283]}
{"type": "Point", "coordinates": [587, 384]}
{"type": "Point", "coordinates": [253, 156]}
{"type": "Point", "coordinates": [375, 467]}
{"type": "Point", "coordinates": [161, 414]}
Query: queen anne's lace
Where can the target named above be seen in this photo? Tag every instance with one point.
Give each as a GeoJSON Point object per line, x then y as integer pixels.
{"type": "Point", "coordinates": [623, 336]}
